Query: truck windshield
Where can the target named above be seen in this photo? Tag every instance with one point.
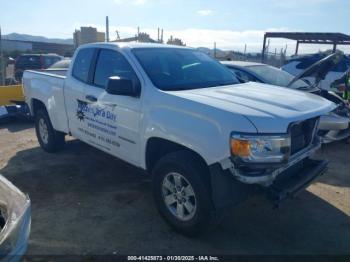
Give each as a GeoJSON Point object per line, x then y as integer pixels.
{"type": "Point", "coordinates": [172, 69]}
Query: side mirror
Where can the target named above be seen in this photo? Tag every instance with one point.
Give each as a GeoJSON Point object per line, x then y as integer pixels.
{"type": "Point", "coordinates": [122, 86]}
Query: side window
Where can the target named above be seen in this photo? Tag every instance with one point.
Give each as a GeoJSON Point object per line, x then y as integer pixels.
{"type": "Point", "coordinates": [82, 64]}
{"type": "Point", "coordinates": [244, 76]}
{"type": "Point", "coordinates": [111, 63]}
{"type": "Point", "coordinates": [341, 67]}
{"type": "Point", "coordinates": [50, 60]}
{"type": "Point", "coordinates": [307, 62]}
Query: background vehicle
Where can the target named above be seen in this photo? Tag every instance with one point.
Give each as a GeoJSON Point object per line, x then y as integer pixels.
{"type": "Point", "coordinates": [62, 64]}
{"type": "Point", "coordinates": [335, 126]}
{"type": "Point", "coordinates": [297, 65]}
{"type": "Point", "coordinates": [207, 140]}
{"type": "Point", "coordinates": [34, 61]}
{"type": "Point", "coordinates": [15, 219]}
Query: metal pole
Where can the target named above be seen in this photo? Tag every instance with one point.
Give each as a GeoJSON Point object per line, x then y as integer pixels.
{"type": "Point", "coordinates": [297, 48]}
{"type": "Point", "coordinates": [107, 29]}
{"type": "Point", "coordinates": [334, 47]}
{"type": "Point", "coordinates": [263, 50]}
{"type": "Point", "coordinates": [214, 49]}
{"type": "Point", "coordinates": [2, 72]}
{"type": "Point", "coordinates": [138, 34]}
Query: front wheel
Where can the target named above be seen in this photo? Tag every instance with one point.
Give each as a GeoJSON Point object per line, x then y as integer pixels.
{"type": "Point", "coordinates": [49, 139]}
{"type": "Point", "coordinates": [181, 194]}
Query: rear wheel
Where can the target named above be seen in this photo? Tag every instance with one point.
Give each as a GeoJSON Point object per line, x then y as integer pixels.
{"type": "Point", "coordinates": [181, 194]}
{"type": "Point", "coordinates": [49, 139]}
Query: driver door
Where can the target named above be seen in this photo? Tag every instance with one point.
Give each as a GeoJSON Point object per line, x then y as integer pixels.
{"type": "Point", "coordinates": [115, 119]}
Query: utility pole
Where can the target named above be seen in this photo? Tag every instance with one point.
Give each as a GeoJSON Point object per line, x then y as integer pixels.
{"type": "Point", "coordinates": [214, 49]}
{"type": "Point", "coordinates": [2, 67]}
{"type": "Point", "coordinates": [138, 34]}
{"type": "Point", "coordinates": [107, 29]}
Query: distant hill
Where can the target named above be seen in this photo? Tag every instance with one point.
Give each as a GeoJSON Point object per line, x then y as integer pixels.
{"type": "Point", "coordinates": [209, 51]}
{"type": "Point", "coordinates": [24, 37]}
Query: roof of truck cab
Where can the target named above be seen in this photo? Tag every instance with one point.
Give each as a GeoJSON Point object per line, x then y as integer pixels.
{"type": "Point", "coordinates": [241, 63]}
{"type": "Point", "coordinates": [133, 45]}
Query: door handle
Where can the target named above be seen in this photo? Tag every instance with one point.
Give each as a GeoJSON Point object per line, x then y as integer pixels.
{"type": "Point", "coordinates": [91, 98]}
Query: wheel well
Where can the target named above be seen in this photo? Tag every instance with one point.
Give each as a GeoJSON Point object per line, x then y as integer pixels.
{"type": "Point", "coordinates": [158, 147]}
{"type": "Point", "coordinates": [36, 105]}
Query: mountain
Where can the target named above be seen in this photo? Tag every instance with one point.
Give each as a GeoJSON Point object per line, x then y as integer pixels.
{"type": "Point", "coordinates": [210, 52]}
{"type": "Point", "coordinates": [24, 37]}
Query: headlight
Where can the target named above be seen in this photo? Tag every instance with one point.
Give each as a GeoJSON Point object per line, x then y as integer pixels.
{"type": "Point", "coordinates": [260, 148]}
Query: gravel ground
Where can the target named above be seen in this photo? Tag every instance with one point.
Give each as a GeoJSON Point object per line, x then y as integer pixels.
{"type": "Point", "coordinates": [87, 202]}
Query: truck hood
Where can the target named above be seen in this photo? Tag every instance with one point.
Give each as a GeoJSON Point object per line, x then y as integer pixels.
{"type": "Point", "coordinates": [269, 108]}
{"type": "Point", "coordinates": [320, 69]}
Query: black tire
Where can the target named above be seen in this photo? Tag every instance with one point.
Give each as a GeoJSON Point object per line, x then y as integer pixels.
{"type": "Point", "coordinates": [55, 139]}
{"type": "Point", "coordinates": [187, 165]}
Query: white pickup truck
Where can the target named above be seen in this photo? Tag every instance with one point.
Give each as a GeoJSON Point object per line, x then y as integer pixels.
{"type": "Point", "coordinates": [207, 140]}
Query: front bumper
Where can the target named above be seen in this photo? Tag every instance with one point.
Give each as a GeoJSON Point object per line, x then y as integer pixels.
{"type": "Point", "coordinates": [334, 128]}
{"type": "Point", "coordinates": [268, 178]}
{"type": "Point", "coordinates": [296, 179]}
{"type": "Point", "coordinates": [227, 190]}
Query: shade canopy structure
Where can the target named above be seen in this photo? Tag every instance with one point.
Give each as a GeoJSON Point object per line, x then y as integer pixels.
{"type": "Point", "coordinates": [334, 39]}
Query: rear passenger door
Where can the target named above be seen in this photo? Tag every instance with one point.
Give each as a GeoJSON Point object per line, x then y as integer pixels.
{"type": "Point", "coordinates": [115, 119]}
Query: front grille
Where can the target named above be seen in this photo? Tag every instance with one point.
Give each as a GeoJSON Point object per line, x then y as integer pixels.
{"type": "Point", "coordinates": [302, 134]}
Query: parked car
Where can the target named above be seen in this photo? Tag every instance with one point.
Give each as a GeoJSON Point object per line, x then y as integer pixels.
{"type": "Point", "coordinates": [61, 65]}
{"type": "Point", "coordinates": [297, 65]}
{"type": "Point", "coordinates": [180, 115]}
{"type": "Point", "coordinates": [15, 220]}
{"type": "Point", "coordinates": [34, 61]}
{"type": "Point", "coordinates": [343, 85]}
{"type": "Point", "coordinates": [334, 126]}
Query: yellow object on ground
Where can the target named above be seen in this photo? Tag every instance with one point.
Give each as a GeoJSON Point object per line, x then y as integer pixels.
{"type": "Point", "coordinates": [10, 93]}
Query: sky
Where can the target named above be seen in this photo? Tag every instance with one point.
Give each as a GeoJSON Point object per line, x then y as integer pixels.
{"type": "Point", "coordinates": [232, 24]}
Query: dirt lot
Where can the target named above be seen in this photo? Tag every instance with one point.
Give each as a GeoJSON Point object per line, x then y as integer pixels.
{"type": "Point", "coordinates": [87, 202]}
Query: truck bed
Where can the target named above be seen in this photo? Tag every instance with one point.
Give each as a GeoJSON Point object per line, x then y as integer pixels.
{"type": "Point", "coordinates": [47, 86]}
{"type": "Point", "coordinates": [52, 72]}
